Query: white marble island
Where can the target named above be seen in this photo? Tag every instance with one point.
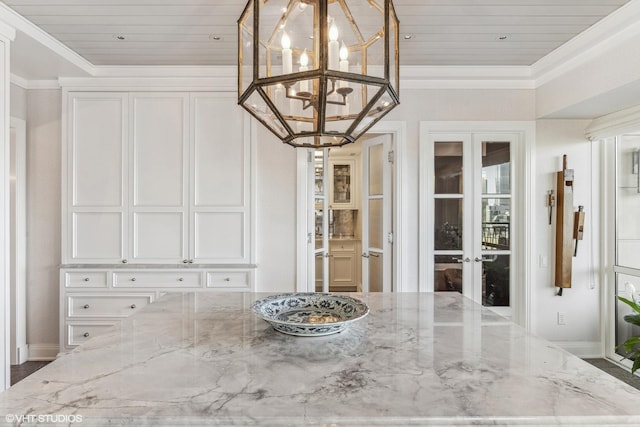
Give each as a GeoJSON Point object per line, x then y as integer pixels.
{"type": "Point", "coordinates": [417, 359]}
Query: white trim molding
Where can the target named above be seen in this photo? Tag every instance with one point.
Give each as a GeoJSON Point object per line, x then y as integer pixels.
{"type": "Point", "coordinates": [582, 349]}
{"type": "Point", "coordinates": [43, 352]}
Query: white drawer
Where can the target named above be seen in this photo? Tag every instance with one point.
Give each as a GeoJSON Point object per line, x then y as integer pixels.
{"type": "Point", "coordinates": [229, 279]}
{"type": "Point", "coordinates": [106, 305]}
{"type": "Point", "coordinates": [77, 333]}
{"type": "Point", "coordinates": [85, 279]}
{"type": "Point", "coordinates": [155, 279]}
{"type": "Point", "coordinates": [347, 246]}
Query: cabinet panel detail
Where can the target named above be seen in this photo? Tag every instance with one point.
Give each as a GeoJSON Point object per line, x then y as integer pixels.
{"type": "Point", "coordinates": [158, 236]}
{"type": "Point", "coordinates": [133, 279]}
{"type": "Point", "coordinates": [98, 235]}
{"type": "Point", "coordinates": [97, 150]}
{"type": "Point", "coordinates": [106, 305]}
{"type": "Point", "coordinates": [218, 140]}
{"type": "Point", "coordinates": [220, 235]}
{"type": "Point", "coordinates": [86, 279]}
{"type": "Point", "coordinates": [228, 279]}
{"type": "Point", "coordinates": [77, 333]}
{"type": "Point", "coordinates": [158, 145]}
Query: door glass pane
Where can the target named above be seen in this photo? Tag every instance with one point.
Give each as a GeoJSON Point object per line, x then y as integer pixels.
{"type": "Point", "coordinates": [448, 273]}
{"type": "Point", "coordinates": [448, 167]}
{"type": "Point", "coordinates": [375, 170]}
{"type": "Point", "coordinates": [629, 288]}
{"type": "Point", "coordinates": [375, 223]}
{"type": "Point", "coordinates": [448, 224]}
{"type": "Point", "coordinates": [375, 272]}
{"type": "Point", "coordinates": [495, 280]}
{"type": "Point", "coordinates": [496, 224]}
{"type": "Point", "coordinates": [628, 203]}
{"type": "Point", "coordinates": [319, 271]}
{"type": "Point", "coordinates": [496, 168]}
{"type": "Point", "coordinates": [319, 172]}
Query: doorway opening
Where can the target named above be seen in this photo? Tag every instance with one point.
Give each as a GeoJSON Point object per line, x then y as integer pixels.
{"type": "Point", "coordinates": [349, 225]}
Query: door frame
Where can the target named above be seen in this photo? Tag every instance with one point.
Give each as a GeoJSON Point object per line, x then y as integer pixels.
{"type": "Point", "coordinates": [523, 188]}
{"type": "Point", "coordinates": [398, 130]}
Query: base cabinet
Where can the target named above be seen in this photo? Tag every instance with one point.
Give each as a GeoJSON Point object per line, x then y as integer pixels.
{"type": "Point", "coordinates": [92, 300]}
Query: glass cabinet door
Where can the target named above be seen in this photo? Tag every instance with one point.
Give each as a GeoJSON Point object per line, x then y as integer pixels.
{"type": "Point", "coordinates": [342, 190]}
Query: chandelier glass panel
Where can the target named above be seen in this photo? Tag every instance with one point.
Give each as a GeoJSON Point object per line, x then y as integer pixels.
{"type": "Point", "coordinates": [318, 73]}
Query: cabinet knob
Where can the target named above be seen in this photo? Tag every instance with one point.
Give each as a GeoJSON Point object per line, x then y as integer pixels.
{"type": "Point", "coordinates": [85, 306]}
{"type": "Point", "coordinates": [124, 261]}
{"type": "Point", "coordinates": [86, 335]}
{"type": "Point", "coordinates": [133, 306]}
{"type": "Point", "coordinates": [133, 279]}
{"type": "Point", "coordinates": [180, 279]}
{"type": "Point", "coordinates": [184, 261]}
{"type": "Point", "coordinates": [190, 261]}
{"type": "Point", "coordinates": [227, 279]}
{"type": "Point", "coordinates": [86, 279]}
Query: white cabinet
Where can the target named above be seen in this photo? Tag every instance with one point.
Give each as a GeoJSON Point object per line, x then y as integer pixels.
{"type": "Point", "coordinates": [94, 299]}
{"type": "Point", "coordinates": [96, 190]}
{"type": "Point", "coordinates": [342, 183]}
{"type": "Point", "coordinates": [161, 177]}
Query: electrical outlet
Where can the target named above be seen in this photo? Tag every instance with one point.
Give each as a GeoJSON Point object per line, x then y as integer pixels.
{"type": "Point", "coordinates": [561, 318]}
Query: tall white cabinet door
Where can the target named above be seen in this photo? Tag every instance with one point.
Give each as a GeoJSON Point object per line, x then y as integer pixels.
{"type": "Point", "coordinates": [95, 194]}
{"type": "Point", "coordinates": [159, 150]}
{"type": "Point", "coordinates": [220, 179]}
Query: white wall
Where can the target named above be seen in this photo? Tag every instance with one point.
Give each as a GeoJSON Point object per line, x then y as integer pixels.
{"type": "Point", "coordinates": [43, 220]}
{"type": "Point", "coordinates": [580, 303]}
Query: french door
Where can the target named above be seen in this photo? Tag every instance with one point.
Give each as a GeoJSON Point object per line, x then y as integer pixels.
{"type": "Point", "coordinates": [469, 216]}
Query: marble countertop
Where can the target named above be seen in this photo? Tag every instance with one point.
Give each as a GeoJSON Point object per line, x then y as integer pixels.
{"type": "Point", "coordinates": [156, 266]}
{"type": "Point", "coordinates": [416, 359]}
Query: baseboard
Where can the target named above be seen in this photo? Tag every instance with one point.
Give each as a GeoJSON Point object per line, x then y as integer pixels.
{"type": "Point", "coordinates": [21, 356]}
{"type": "Point", "coordinates": [582, 349]}
{"type": "Point", "coordinates": [43, 352]}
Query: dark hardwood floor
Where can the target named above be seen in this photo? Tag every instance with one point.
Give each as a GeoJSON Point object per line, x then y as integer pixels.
{"type": "Point", "coordinates": [20, 372]}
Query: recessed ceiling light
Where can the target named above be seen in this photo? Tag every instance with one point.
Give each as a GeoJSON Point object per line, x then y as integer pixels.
{"type": "Point", "coordinates": [216, 38]}
{"type": "Point", "coordinates": [119, 37]}
{"type": "Point", "coordinates": [408, 36]}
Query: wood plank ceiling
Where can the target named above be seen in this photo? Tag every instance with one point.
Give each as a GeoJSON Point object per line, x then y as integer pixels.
{"type": "Point", "coordinates": [203, 32]}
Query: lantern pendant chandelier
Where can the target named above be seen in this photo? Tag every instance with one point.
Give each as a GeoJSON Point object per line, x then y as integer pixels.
{"type": "Point", "coordinates": [318, 73]}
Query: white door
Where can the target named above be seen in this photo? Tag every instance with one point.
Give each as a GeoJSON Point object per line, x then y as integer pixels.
{"type": "Point", "coordinates": [220, 206]}
{"type": "Point", "coordinates": [377, 221]}
{"type": "Point", "coordinates": [97, 181]}
{"type": "Point", "coordinates": [471, 211]}
{"type": "Point", "coordinates": [159, 182]}
{"type": "Point", "coordinates": [318, 237]}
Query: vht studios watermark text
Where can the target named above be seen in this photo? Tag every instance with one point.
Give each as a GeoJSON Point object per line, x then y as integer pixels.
{"type": "Point", "coordinates": [53, 418]}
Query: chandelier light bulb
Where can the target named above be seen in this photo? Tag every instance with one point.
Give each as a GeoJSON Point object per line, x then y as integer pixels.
{"type": "Point", "coordinates": [344, 52]}
{"type": "Point", "coordinates": [304, 59]}
{"type": "Point", "coordinates": [285, 41]}
{"type": "Point", "coordinates": [333, 32]}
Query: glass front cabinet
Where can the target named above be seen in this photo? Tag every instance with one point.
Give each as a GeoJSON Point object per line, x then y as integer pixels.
{"type": "Point", "coordinates": [342, 179]}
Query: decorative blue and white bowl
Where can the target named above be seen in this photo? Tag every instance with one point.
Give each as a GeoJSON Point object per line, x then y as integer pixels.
{"type": "Point", "coordinates": [309, 314]}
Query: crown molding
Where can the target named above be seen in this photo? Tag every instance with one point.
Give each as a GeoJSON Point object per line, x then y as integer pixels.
{"type": "Point", "coordinates": [7, 31]}
{"type": "Point", "coordinates": [618, 27]}
{"type": "Point", "coordinates": [157, 83]}
{"type": "Point", "coordinates": [614, 124]}
{"type": "Point", "coordinates": [459, 77]}
{"type": "Point", "coordinates": [13, 19]}
{"type": "Point", "coordinates": [34, 84]}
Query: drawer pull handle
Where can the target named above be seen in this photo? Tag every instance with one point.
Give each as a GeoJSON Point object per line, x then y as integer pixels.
{"type": "Point", "coordinates": [227, 279]}
{"type": "Point", "coordinates": [85, 306]}
{"type": "Point", "coordinates": [180, 279]}
{"type": "Point", "coordinates": [86, 335]}
{"type": "Point", "coordinates": [133, 279]}
{"type": "Point", "coordinates": [133, 306]}
{"type": "Point", "coordinates": [86, 279]}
